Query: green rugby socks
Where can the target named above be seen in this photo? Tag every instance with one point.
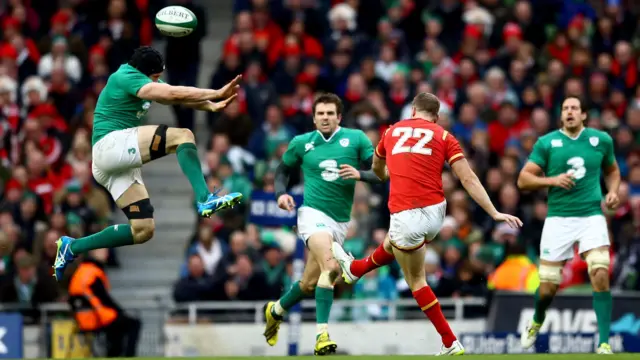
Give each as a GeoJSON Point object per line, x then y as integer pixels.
{"type": "Point", "coordinates": [541, 306]}
{"type": "Point", "coordinates": [602, 305]}
{"type": "Point", "coordinates": [324, 300]}
{"type": "Point", "coordinates": [187, 154]}
{"type": "Point", "coordinates": [111, 237]}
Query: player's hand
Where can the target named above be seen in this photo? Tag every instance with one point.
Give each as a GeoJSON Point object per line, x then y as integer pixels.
{"type": "Point", "coordinates": [564, 181]}
{"type": "Point", "coordinates": [286, 202]}
{"type": "Point", "coordinates": [230, 89]}
{"type": "Point", "coordinates": [513, 221]}
{"type": "Point", "coordinates": [348, 172]}
{"type": "Point", "coordinates": [219, 105]}
{"type": "Point", "coordinates": [612, 200]}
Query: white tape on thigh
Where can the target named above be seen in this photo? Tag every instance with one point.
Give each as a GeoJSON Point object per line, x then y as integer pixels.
{"type": "Point", "coordinates": [598, 259]}
{"type": "Point", "coordinates": [550, 273]}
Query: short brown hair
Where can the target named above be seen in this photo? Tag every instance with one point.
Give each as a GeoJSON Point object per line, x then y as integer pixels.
{"type": "Point", "coordinates": [328, 98]}
{"type": "Point", "coordinates": [426, 103]}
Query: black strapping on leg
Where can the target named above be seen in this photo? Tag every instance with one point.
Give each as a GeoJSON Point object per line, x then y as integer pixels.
{"type": "Point", "coordinates": [139, 210]}
{"type": "Point", "coordinates": [158, 147]}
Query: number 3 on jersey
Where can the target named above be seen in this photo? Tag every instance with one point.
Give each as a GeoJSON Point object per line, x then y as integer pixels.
{"type": "Point", "coordinates": [424, 136]}
{"type": "Point", "coordinates": [577, 167]}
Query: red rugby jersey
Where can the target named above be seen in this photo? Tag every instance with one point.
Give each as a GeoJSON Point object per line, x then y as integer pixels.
{"type": "Point", "coordinates": [416, 151]}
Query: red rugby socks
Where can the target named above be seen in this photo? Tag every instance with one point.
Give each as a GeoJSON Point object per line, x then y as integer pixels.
{"type": "Point", "coordinates": [380, 257]}
{"type": "Point", "coordinates": [429, 304]}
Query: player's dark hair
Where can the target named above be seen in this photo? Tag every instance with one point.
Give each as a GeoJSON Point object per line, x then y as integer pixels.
{"type": "Point", "coordinates": [147, 60]}
{"type": "Point", "coordinates": [426, 103]}
{"type": "Point", "coordinates": [328, 98]}
{"type": "Point", "coordinates": [583, 104]}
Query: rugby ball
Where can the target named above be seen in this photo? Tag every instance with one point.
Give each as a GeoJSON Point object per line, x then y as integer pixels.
{"type": "Point", "coordinates": [176, 21]}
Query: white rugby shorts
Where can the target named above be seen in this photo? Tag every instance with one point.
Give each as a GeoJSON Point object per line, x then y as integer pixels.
{"type": "Point", "coordinates": [560, 234]}
{"type": "Point", "coordinates": [410, 229]}
{"type": "Point", "coordinates": [312, 221]}
{"type": "Point", "coordinates": [116, 161]}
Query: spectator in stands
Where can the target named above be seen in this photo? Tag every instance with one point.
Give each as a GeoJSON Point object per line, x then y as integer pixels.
{"type": "Point", "coordinates": [30, 285]}
{"type": "Point", "coordinates": [95, 311]}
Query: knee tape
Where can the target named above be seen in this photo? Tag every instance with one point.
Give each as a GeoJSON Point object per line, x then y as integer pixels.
{"type": "Point", "coordinates": [598, 259]}
{"type": "Point", "coordinates": [158, 147]}
{"type": "Point", "coordinates": [139, 210]}
{"type": "Point", "coordinates": [551, 274]}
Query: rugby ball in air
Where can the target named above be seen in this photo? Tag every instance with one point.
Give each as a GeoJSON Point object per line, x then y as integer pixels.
{"type": "Point", "coordinates": [176, 21]}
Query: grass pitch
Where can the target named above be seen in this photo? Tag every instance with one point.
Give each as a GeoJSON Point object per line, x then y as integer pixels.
{"type": "Point", "coordinates": [400, 357]}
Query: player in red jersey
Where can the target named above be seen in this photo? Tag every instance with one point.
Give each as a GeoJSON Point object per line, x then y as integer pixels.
{"type": "Point", "coordinates": [412, 154]}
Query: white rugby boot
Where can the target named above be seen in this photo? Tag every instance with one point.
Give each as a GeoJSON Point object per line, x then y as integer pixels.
{"type": "Point", "coordinates": [455, 349]}
{"type": "Point", "coordinates": [344, 260]}
{"type": "Point", "coordinates": [529, 335]}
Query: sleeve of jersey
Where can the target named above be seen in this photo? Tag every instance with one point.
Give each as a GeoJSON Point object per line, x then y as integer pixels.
{"type": "Point", "coordinates": [453, 150]}
{"type": "Point", "coordinates": [366, 147]}
{"type": "Point", "coordinates": [610, 156]}
{"type": "Point", "coordinates": [132, 82]}
{"type": "Point", "coordinates": [291, 157]}
{"type": "Point", "coordinates": [381, 152]}
{"type": "Point", "coordinates": [538, 154]}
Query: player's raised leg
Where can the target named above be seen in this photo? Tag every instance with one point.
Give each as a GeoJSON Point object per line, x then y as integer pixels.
{"type": "Point", "coordinates": [274, 311]}
{"type": "Point", "coordinates": [135, 203]}
{"type": "Point", "coordinates": [353, 269]}
{"type": "Point", "coordinates": [157, 141]}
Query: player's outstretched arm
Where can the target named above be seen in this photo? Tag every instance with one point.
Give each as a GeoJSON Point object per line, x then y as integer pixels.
{"type": "Point", "coordinates": [379, 167]}
{"type": "Point", "coordinates": [531, 178]}
{"type": "Point", "coordinates": [474, 187]}
{"type": "Point", "coordinates": [165, 93]}
{"type": "Point", "coordinates": [210, 106]}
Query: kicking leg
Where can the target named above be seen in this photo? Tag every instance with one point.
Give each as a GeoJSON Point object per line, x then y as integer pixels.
{"type": "Point", "coordinates": [157, 141]}
{"type": "Point", "coordinates": [135, 203]}
{"type": "Point", "coordinates": [320, 246]}
{"type": "Point", "coordinates": [412, 264]}
{"type": "Point", "coordinates": [352, 269]}
{"type": "Point", "coordinates": [275, 310]}
{"type": "Point", "coordinates": [598, 261]}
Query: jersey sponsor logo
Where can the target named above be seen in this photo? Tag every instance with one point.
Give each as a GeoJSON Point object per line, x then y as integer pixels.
{"type": "Point", "coordinates": [308, 147]}
{"type": "Point", "coordinates": [344, 142]}
{"type": "Point", "coordinates": [556, 143]}
{"type": "Point", "coordinates": [594, 141]}
{"type": "Point", "coordinates": [145, 108]}
{"type": "Point", "coordinates": [131, 151]}
{"type": "Point", "coordinates": [321, 225]}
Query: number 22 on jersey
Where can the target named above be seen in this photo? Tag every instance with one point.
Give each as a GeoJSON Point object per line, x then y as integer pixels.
{"type": "Point", "coordinates": [424, 136]}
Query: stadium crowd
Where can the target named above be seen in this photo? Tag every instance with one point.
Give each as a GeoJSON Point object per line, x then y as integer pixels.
{"type": "Point", "coordinates": [54, 61]}
{"type": "Point", "coordinates": [500, 69]}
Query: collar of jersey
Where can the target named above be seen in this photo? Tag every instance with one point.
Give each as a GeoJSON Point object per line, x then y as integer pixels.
{"type": "Point", "coordinates": [573, 138]}
{"type": "Point", "coordinates": [330, 137]}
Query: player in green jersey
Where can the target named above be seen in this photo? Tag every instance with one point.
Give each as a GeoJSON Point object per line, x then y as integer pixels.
{"type": "Point", "coordinates": [569, 162]}
{"type": "Point", "coordinates": [121, 145]}
{"type": "Point", "coordinates": [325, 156]}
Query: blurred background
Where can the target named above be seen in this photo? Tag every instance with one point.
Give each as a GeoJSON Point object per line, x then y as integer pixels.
{"type": "Point", "coordinates": [500, 68]}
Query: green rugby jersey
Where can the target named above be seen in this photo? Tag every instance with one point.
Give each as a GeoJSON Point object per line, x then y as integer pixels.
{"type": "Point", "coordinates": [584, 156]}
{"type": "Point", "coordinates": [320, 161]}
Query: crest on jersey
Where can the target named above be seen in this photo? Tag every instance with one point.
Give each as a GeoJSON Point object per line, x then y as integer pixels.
{"type": "Point", "coordinates": [594, 141]}
{"type": "Point", "coordinates": [344, 142]}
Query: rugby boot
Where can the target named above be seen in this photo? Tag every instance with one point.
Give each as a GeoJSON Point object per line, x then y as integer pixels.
{"type": "Point", "coordinates": [64, 257]}
{"type": "Point", "coordinates": [529, 335]}
{"type": "Point", "coordinates": [344, 260]}
{"type": "Point", "coordinates": [324, 345]}
{"type": "Point", "coordinates": [216, 203]}
{"type": "Point", "coordinates": [455, 349]}
{"type": "Point", "coordinates": [273, 322]}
